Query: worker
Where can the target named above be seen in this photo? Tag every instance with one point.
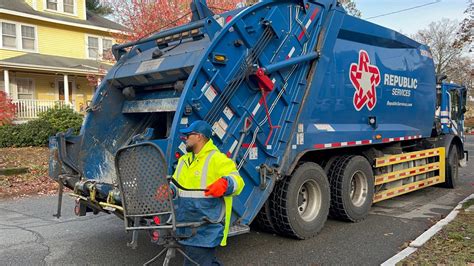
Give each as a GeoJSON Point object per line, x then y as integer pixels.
{"type": "Point", "coordinates": [204, 167]}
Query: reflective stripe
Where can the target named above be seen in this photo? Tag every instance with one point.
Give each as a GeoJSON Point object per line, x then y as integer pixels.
{"type": "Point", "coordinates": [231, 175]}
{"type": "Point", "coordinates": [223, 212]}
{"type": "Point", "coordinates": [178, 171]}
{"type": "Point", "coordinates": [193, 194]}
{"type": "Point", "coordinates": [205, 169]}
{"type": "Point", "coordinates": [228, 214]}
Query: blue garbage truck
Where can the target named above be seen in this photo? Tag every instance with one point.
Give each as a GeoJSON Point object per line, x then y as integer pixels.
{"type": "Point", "coordinates": [323, 113]}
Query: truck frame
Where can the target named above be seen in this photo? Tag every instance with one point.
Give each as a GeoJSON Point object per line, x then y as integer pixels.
{"type": "Point", "coordinates": [323, 113]}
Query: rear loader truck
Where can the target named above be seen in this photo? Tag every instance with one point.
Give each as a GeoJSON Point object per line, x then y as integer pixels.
{"type": "Point", "coordinates": [323, 113]}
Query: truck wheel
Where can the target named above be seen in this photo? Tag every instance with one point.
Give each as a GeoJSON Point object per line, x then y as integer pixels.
{"type": "Point", "coordinates": [329, 163]}
{"type": "Point", "coordinates": [452, 168]}
{"type": "Point", "coordinates": [263, 221]}
{"type": "Point", "coordinates": [300, 203]}
{"type": "Point", "coordinates": [352, 188]}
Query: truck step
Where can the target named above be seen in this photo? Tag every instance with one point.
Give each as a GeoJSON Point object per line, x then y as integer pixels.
{"type": "Point", "coordinates": [238, 229]}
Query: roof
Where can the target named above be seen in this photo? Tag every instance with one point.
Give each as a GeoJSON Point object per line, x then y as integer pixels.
{"type": "Point", "coordinates": [92, 19]}
{"type": "Point", "coordinates": [55, 63]}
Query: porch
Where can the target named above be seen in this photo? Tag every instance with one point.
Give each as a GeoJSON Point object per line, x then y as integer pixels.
{"type": "Point", "coordinates": [33, 93]}
{"type": "Point", "coordinates": [27, 109]}
{"type": "Point", "coordinates": [36, 83]}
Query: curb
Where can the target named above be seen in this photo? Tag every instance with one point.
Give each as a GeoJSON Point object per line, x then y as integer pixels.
{"type": "Point", "coordinates": [423, 238]}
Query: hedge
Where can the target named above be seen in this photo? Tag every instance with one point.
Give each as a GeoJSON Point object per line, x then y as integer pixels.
{"type": "Point", "coordinates": [62, 118]}
{"type": "Point", "coordinates": [36, 132]}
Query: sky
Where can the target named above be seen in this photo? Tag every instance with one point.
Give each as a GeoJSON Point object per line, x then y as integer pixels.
{"type": "Point", "coordinates": [409, 22]}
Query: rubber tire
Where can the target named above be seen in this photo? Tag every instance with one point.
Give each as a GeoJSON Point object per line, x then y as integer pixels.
{"type": "Point", "coordinates": [329, 163]}
{"type": "Point", "coordinates": [340, 175]}
{"type": "Point", "coordinates": [263, 221]}
{"type": "Point", "coordinates": [284, 203]}
{"type": "Point", "coordinates": [452, 168]}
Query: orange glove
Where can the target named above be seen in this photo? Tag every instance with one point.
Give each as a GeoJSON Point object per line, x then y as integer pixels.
{"type": "Point", "coordinates": [217, 189]}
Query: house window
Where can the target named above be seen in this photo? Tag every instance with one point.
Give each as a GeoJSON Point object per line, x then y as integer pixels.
{"type": "Point", "coordinates": [52, 4]}
{"type": "Point", "coordinates": [68, 6]}
{"type": "Point", "coordinates": [8, 35]}
{"type": "Point", "coordinates": [93, 47]}
{"type": "Point", "coordinates": [97, 47]}
{"type": "Point", "coordinates": [106, 48]}
{"type": "Point", "coordinates": [63, 6]}
{"type": "Point", "coordinates": [18, 36]}
{"type": "Point", "coordinates": [27, 37]}
{"type": "Point", "coordinates": [25, 88]}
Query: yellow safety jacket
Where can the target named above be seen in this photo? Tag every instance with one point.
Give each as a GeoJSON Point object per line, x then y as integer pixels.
{"type": "Point", "coordinates": [197, 171]}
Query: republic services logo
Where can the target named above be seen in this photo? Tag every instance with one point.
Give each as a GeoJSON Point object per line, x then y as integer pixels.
{"type": "Point", "coordinates": [365, 78]}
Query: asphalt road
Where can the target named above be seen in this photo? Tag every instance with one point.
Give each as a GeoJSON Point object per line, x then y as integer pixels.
{"type": "Point", "coordinates": [29, 235]}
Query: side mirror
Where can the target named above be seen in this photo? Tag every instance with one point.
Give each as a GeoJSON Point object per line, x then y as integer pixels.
{"type": "Point", "coordinates": [440, 78]}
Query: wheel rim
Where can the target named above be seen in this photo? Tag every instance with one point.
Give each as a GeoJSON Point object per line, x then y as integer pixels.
{"type": "Point", "coordinates": [309, 200]}
{"type": "Point", "coordinates": [359, 188]}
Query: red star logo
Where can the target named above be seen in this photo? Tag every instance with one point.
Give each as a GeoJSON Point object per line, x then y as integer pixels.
{"type": "Point", "coordinates": [365, 78]}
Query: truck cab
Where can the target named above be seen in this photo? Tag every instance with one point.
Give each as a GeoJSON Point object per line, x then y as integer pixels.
{"type": "Point", "coordinates": [453, 103]}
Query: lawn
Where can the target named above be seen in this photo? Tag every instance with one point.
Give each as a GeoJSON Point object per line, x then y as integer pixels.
{"type": "Point", "coordinates": [453, 245]}
{"type": "Point", "coordinates": [35, 182]}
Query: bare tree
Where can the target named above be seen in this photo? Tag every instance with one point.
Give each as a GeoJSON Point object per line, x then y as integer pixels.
{"type": "Point", "coordinates": [460, 71]}
{"type": "Point", "coordinates": [465, 35]}
{"type": "Point", "coordinates": [351, 7]}
{"type": "Point", "coordinates": [441, 37]}
{"type": "Point", "coordinates": [98, 7]}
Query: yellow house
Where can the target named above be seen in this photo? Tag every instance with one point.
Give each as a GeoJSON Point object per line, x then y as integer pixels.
{"type": "Point", "coordinates": [51, 51]}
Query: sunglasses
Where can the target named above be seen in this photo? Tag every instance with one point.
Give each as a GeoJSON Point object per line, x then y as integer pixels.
{"type": "Point", "coordinates": [188, 135]}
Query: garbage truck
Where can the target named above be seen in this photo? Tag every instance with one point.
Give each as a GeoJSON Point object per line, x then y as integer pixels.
{"type": "Point", "coordinates": [323, 113]}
